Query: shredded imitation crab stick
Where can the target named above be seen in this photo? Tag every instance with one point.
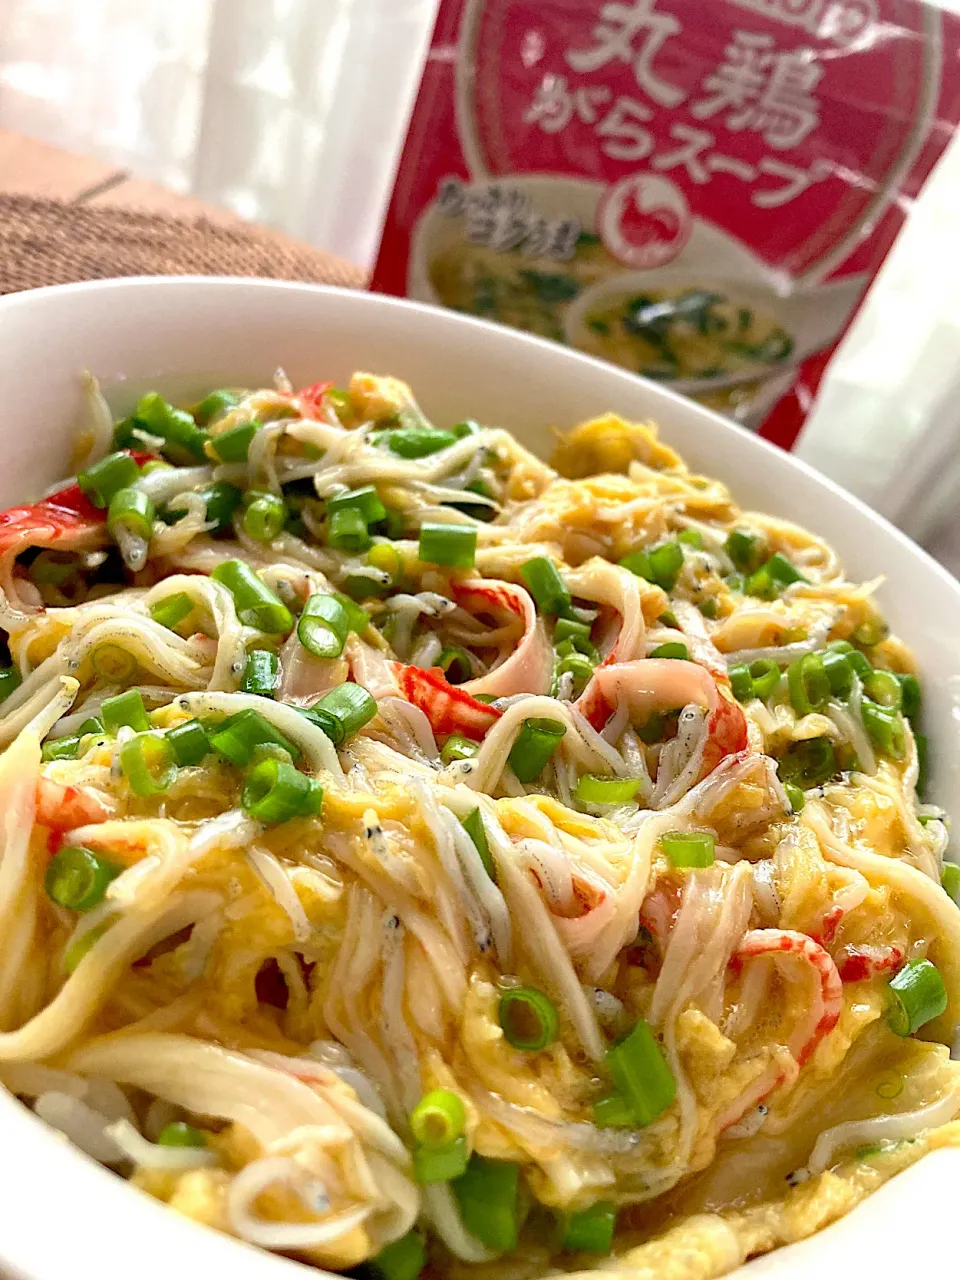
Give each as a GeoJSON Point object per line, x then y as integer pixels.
{"type": "Point", "coordinates": [61, 808]}
{"type": "Point", "coordinates": [66, 519]}
{"type": "Point", "coordinates": [309, 400]}
{"type": "Point", "coordinates": [826, 1001]}
{"type": "Point", "coordinates": [821, 1008]}
{"type": "Point", "coordinates": [652, 685]}
{"type": "Point", "coordinates": [529, 668]}
{"type": "Point", "coordinates": [445, 705]}
{"type": "Point", "coordinates": [856, 963]}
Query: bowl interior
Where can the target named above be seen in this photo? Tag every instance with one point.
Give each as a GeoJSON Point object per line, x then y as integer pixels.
{"type": "Point", "coordinates": [184, 335]}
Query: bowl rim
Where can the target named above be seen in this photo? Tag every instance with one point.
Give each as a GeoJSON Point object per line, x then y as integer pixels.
{"type": "Point", "coordinates": [44, 1163]}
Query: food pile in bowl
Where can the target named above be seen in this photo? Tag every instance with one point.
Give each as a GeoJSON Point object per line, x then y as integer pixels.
{"type": "Point", "coordinates": [423, 858]}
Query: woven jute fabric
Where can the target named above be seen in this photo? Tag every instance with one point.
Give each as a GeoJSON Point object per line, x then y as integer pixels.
{"type": "Point", "coordinates": [46, 242]}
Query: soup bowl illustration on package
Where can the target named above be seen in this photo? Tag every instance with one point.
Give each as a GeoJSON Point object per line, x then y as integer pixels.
{"type": "Point", "coordinates": [699, 193]}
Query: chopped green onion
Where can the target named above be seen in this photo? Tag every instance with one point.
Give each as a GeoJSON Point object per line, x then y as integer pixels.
{"type": "Point", "coordinates": [132, 511]}
{"type": "Point", "coordinates": [741, 682]}
{"type": "Point", "coordinates": [473, 826]}
{"type": "Point", "coordinates": [419, 442]}
{"type": "Point", "coordinates": [275, 792]}
{"type": "Point", "coordinates": [533, 747]}
{"type": "Point", "coordinates": [362, 585]}
{"type": "Point", "coordinates": [100, 482]}
{"type": "Point", "coordinates": [839, 672]}
{"type": "Point", "coordinates": [454, 545]}
{"type": "Point", "coordinates": [950, 879]}
{"type": "Point", "coordinates": [566, 648]}
{"type": "Point", "coordinates": [238, 738]}
{"type": "Point", "coordinates": [871, 632]}
{"type": "Point", "coordinates": [343, 711]}
{"type": "Point", "coordinates": [438, 1119]}
{"type": "Point", "coordinates": [770, 579]}
{"type": "Point", "coordinates": [580, 667]}
{"type": "Point", "coordinates": [396, 525]}
{"type": "Point", "coordinates": [261, 675]}
{"type": "Point", "coordinates": [641, 1074]}
{"type": "Point", "coordinates": [638, 562]}
{"type": "Point", "coordinates": [233, 445]}
{"type": "Point", "coordinates": [808, 683]}
{"type": "Point", "coordinates": [745, 549]}
{"type": "Point", "coordinates": [856, 659]}
{"type": "Point", "coordinates": [455, 664]}
{"type": "Point", "coordinates": [487, 1195]}
{"type": "Point", "coordinates": [575, 631]}
{"type": "Point", "coordinates": [111, 662]}
{"type": "Point", "coordinates": [323, 626]}
{"type": "Point", "coordinates": [385, 557]}
{"type": "Point", "coordinates": [180, 1134]}
{"type": "Point", "coordinates": [148, 763]}
{"type": "Point", "coordinates": [909, 696]}
{"type": "Point", "coordinates": [920, 742]}
{"type": "Point", "coordinates": [689, 848]}
{"type": "Point", "coordinates": [528, 1019]}
{"type": "Point", "coordinates": [691, 538]}
{"type": "Point", "coordinates": [592, 789]}
{"type": "Point", "coordinates": [765, 675]}
{"type": "Point", "coordinates": [62, 748]}
{"type": "Point", "coordinates": [215, 403]}
{"type": "Point", "coordinates": [257, 606]}
{"type": "Point", "coordinates": [441, 1164]}
{"type": "Point", "coordinates": [457, 747]}
{"type": "Point", "coordinates": [917, 995]}
{"type": "Point", "coordinates": [890, 1086]}
{"type": "Point", "coordinates": [660, 564]}
{"type": "Point", "coordinates": [125, 709]}
{"type": "Point", "coordinates": [10, 679]}
{"type": "Point", "coordinates": [402, 1259]}
{"type": "Point", "coordinates": [884, 728]}
{"type": "Point", "coordinates": [808, 764]}
{"type": "Point", "coordinates": [666, 561]}
{"type": "Point", "coordinates": [357, 619]}
{"type": "Point", "coordinates": [189, 742]}
{"type": "Point", "coordinates": [612, 1111]}
{"type": "Point", "coordinates": [77, 878]}
{"type": "Point", "coordinates": [466, 428]}
{"type": "Point", "coordinates": [155, 464]}
{"type": "Point", "coordinates": [182, 438]}
{"type": "Point", "coordinates": [592, 1230]}
{"type": "Point", "coordinates": [365, 500]}
{"type": "Point", "coordinates": [347, 530]}
{"type": "Point", "coordinates": [265, 517]}
{"type": "Point", "coordinates": [672, 649]}
{"type": "Point", "coordinates": [546, 586]}
{"type": "Point", "coordinates": [172, 610]}
{"type": "Point", "coordinates": [709, 607]}
{"type": "Point", "coordinates": [884, 688]}
{"type": "Point", "coordinates": [795, 796]}
{"type": "Point", "coordinates": [221, 501]}
{"type": "Point", "coordinates": [78, 948]}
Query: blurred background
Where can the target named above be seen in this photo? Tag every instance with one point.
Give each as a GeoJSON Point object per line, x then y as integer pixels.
{"type": "Point", "coordinates": [288, 112]}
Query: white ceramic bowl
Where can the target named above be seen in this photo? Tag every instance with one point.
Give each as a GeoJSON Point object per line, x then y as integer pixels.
{"type": "Point", "coordinates": [60, 1214]}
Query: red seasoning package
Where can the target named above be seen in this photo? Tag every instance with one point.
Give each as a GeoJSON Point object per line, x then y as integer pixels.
{"type": "Point", "coordinates": [698, 191]}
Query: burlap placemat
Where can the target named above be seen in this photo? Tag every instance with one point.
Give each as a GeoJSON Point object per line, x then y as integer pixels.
{"type": "Point", "coordinates": [46, 242]}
